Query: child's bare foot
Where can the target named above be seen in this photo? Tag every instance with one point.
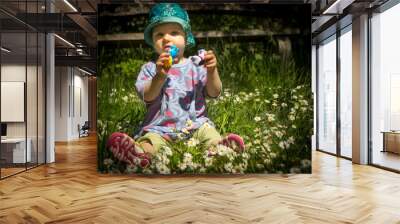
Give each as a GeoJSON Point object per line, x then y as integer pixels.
{"type": "Point", "coordinates": [124, 148]}
{"type": "Point", "coordinates": [148, 148]}
{"type": "Point", "coordinates": [233, 141]}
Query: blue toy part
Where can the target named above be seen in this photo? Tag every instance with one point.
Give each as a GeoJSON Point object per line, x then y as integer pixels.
{"type": "Point", "coordinates": [173, 53]}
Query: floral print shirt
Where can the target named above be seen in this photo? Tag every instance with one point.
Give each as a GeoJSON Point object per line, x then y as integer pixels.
{"type": "Point", "coordinates": [180, 108]}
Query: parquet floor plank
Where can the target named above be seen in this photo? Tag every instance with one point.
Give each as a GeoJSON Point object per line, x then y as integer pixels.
{"type": "Point", "coordinates": [71, 191]}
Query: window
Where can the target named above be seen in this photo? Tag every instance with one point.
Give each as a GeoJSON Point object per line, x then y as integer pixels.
{"type": "Point", "coordinates": [346, 92]}
{"type": "Point", "coordinates": [385, 88]}
{"type": "Point", "coordinates": [327, 95]}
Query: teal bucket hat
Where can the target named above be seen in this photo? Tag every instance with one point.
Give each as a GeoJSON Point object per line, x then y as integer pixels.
{"type": "Point", "coordinates": [168, 13]}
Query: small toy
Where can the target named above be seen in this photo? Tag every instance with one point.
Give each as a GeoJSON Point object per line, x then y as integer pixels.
{"type": "Point", "coordinates": [199, 58]}
{"type": "Point", "coordinates": [173, 53]}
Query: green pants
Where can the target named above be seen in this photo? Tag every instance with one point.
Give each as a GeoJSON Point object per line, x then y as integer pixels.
{"type": "Point", "coordinates": [205, 132]}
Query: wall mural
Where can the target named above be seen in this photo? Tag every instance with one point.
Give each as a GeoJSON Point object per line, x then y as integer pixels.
{"type": "Point", "coordinates": [204, 88]}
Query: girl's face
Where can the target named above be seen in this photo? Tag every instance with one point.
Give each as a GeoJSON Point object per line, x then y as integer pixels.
{"type": "Point", "coordinates": [168, 34]}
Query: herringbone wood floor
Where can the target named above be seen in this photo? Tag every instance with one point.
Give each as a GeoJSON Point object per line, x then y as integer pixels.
{"type": "Point", "coordinates": [71, 191]}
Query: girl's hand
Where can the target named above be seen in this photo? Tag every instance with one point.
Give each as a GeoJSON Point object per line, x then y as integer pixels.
{"type": "Point", "coordinates": [210, 61]}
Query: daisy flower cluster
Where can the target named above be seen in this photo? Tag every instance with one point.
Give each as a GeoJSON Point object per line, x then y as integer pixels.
{"type": "Point", "coordinates": [272, 126]}
{"type": "Point", "coordinates": [185, 157]}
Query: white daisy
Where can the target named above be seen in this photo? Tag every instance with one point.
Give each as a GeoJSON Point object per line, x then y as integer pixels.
{"type": "Point", "coordinates": [189, 123]}
{"type": "Point", "coordinates": [257, 119]}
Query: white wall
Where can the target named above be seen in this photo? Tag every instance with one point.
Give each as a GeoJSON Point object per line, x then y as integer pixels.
{"type": "Point", "coordinates": [61, 103]}
{"type": "Point", "coordinates": [34, 125]}
{"type": "Point", "coordinates": [9, 73]}
{"type": "Point", "coordinates": [80, 104]}
{"type": "Point", "coordinates": [71, 94]}
{"type": "Point", "coordinates": [12, 73]}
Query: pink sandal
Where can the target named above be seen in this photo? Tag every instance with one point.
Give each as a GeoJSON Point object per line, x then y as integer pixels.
{"type": "Point", "coordinates": [124, 149]}
{"type": "Point", "coordinates": [233, 141]}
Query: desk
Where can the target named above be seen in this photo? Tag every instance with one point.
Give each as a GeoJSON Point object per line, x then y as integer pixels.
{"type": "Point", "coordinates": [15, 148]}
{"type": "Point", "coordinates": [391, 141]}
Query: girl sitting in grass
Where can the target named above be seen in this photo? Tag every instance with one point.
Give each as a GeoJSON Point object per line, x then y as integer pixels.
{"type": "Point", "coordinates": [174, 95]}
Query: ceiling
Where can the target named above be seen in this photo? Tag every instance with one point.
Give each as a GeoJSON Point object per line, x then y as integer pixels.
{"type": "Point", "coordinates": [76, 22]}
